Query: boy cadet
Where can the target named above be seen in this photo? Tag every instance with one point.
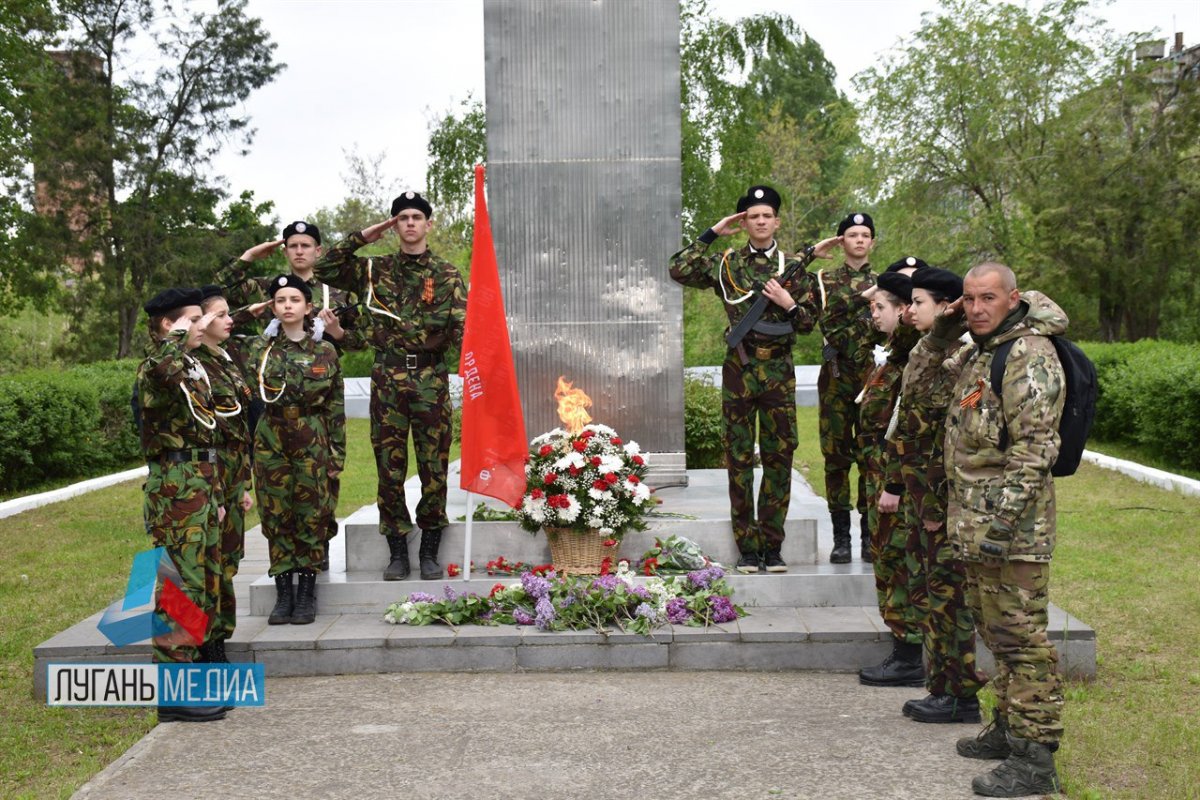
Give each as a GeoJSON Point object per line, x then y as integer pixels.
{"type": "Point", "coordinates": [1002, 518]}
{"type": "Point", "coordinates": [178, 422]}
{"type": "Point", "coordinates": [418, 304]}
{"type": "Point", "coordinates": [843, 315]}
{"type": "Point", "coordinates": [758, 379]}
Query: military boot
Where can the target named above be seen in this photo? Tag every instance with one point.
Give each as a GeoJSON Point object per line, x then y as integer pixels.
{"type": "Point", "coordinates": [902, 667]}
{"type": "Point", "coordinates": [991, 742]}
{"type": "Point", "coordinates": [1029, 769]}
{"type": "Point", "coordinates": [865, 544]}
{"type": "Point", "coordinates": [431, 541]}
{"type": "Point", "coordinates": [398, 568]}
{"type": "Point", "coordinates": [306, 598]}
{"type": "Point", "coordinates": [945, 708]}
{"type": "Point", "coordinates": [190, 713]}
{"type": "Point", "coordinates": [841, 537]}
{"type": "Point", "coordinates": [216, 652]}
{"type": "Point", "coordinates": [285, 600]}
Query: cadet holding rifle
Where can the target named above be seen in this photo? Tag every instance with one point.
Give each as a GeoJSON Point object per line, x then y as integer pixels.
{"type": "Point", "coordinates": [758, 383]}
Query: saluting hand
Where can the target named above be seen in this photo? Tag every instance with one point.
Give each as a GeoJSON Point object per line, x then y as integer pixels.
{"type": "Point", "coordinates": [953, 310]}
{"type": "Point", "coordinates": [869, 292]}
{"type": "Point", "coordinates": [261, 251]}
{"type": "Point", "coordinates": [373, 233]}
{"type": "Point", "coordinates": [256, 309]}
{"type": "Point", "coordinates": [825, 246]}
{"type": "Point", "coordinates": [206, 320]}
{"type": "Point", "coordinates": [730, 225]}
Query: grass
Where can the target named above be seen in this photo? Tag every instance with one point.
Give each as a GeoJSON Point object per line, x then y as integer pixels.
{"type": "Point", "coordinates": [1126, 564]}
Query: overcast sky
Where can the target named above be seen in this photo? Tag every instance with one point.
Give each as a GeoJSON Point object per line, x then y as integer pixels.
{"type": "Point", "coordinates": [371, 74]}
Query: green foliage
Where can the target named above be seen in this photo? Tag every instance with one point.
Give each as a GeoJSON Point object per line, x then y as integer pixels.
{"type": "Point", "coordinates": [457, 142]}
{"type": "Point", "coordinates": [703, 424]}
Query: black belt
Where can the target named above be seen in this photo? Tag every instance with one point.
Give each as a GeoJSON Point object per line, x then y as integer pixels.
{"type": "Point", "coordinates": [764, 351]}
{"type": "Point", "coordinates": [184, 456]}
{"type": "Point", "coordinates": [408, 361]}
{"type": "Point", "coordinates": [286, 412]}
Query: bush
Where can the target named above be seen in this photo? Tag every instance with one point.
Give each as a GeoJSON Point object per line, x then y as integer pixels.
{"type": "Point", "coordinates": [703, 425]}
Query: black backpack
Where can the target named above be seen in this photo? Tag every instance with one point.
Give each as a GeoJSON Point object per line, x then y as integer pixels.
{"type": "Point", "coordinates": [1079, 410]}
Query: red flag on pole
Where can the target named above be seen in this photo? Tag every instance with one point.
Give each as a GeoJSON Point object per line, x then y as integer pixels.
{"type": "Point", "coordinates": [494, 447]}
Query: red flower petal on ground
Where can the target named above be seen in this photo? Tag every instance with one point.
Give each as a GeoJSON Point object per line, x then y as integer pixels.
{"type": "Point", "coordinates": [499, 587]}
{"type": "Point", "coordinates": [452, 570]}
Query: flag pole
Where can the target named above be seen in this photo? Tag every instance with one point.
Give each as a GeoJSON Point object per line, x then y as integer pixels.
{"type": "Point", "coordinates": [466, 569]}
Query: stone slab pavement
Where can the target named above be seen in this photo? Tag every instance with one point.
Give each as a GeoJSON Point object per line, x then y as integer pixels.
{"type": "Point", "coordinates": [595, 735]}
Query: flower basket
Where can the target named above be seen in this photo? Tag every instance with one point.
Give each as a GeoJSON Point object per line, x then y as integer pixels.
{"type": "Point", "coordinates": [578, 552]}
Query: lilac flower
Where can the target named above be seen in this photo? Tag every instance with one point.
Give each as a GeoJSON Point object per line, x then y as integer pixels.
{"type": "Point", "coordinates": [534, 586]}
{"type": "Point", "coordinates": [703, 578]}
{"type": "Point", "coordinates": [522, 617]}
{"type": "Point", "coordinates": [606, 582]}
{"type": "Point", "coordinates": [545, 613]}
{"type": "Point", "coordinates": [567, 601]}
{"type": "Point", "coordinates": [451, 595]}
{"type": "Point", "coordinates": [645, 610]}
{"type": "Point", "coordinates": [677, 611]}
{"type": "Point", "coordinates": [722, 609]}
{"type": "Point", "coordinates": [422, 597]}
{"type": "Point", "coordinates": [640, 591]}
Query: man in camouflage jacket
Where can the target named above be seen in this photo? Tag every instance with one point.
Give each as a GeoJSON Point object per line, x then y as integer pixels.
{"type": "Point", "coordinates": [417, 305]}
{"type": "Point", "coordinates": [1002, 519]}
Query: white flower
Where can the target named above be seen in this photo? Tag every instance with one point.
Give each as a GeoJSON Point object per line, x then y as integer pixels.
{"type": "Point", "coordinates": [547, 436]}
{"type": "Point", "coordinates": [571, 512]}
{"type": "Point", "coordinates": [632, 448]}
{"type": "Point", "coordinates": [596, 522]}
{"type": "Point", "coordinates": [605, 531]}
{"type": "Point", "coordinates": [595, 493]}
{"type": "Point", "coordinates": [611, 464]}
{"type": "Point", "coordinates": [603, 430]}
{"type": "Point", "coordinates": [390, 618]}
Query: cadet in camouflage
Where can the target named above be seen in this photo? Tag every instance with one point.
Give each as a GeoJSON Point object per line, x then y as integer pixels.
{"type": "Point", "coordinates": [1002, 514]}
{"type": "Point", "coordinates": [299, 378]}
{"type": "Point", "coordinates": [178, 438]}
{"type": "Point", "coordinates": [849, 339]}
{"type": "Point", "coordinates": [758, 384]}
{"type": "Point", "coordinates": [417, 304]}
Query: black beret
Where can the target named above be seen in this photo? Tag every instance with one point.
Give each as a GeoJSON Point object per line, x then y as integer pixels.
{"type": "Point", "coordinates": [170, 299]}
{"type": "Point", "coordinates": [908, 262]}
{"type": "Point", "coordinates": [412, 200]}
{"type": "Point", "coordinates": [760, 196]}
{"type": "Point", "coordinates": [211, 290]}
{"type": "Point", "coordinates": [898, 284]}
{"type": "Point", "coordinates": [300, 226]}
{"type": "Point", "coordinates": [942, 281]}
{"type": "Point", "coordinates": [856, 218]}
{"type": "Point", "coordinates": [293, 282]}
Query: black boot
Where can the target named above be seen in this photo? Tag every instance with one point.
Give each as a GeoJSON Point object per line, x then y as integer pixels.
{"type": "Point", "coordinates": [214, 652]}
{"type": "Point", "coordinates": [902, 667]}
{"type": "Point", "coordinates": [306, 598]}
{"type": "Point", "coordinates": [945, 708]}
{"type": "Point", "coordinates": [190, 713]}
{"type": "Point", "coordinates": [1028, 770]}
{"type": "Point", "coordinates": [431, 541]}
{"type": "Point", "coordinates": [285, 600]}
{"type": "Point", "coordinates": [866, 540]}
{"type": "Point", "coordinates": [398, 568]}
{"type": "Point", "coordinates": [841, 537]}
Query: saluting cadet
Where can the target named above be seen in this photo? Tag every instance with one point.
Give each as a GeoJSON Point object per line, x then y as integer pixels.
{"type": "Point", "coordinates": [178, 438]}
{"type": "Point", "coordinates": [418, 305]}
{"type": "Point", "coordinates": [231, 397]}
{"type": "Point", "coordinates": [299, 378]}
{"type": "Point", "coordinates": [849, 340]}
{"type": "Point", "coordinates": [893, 539]}
{"type": "Point", "coordinates": [758, 379]}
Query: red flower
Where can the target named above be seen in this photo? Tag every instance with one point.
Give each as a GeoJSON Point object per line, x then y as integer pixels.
{"type": "Point", "coordinates": [499, 587]}
{"type": "Point", "coordinates": [452, 570]}
{"type": "Point", "coordinates": [537, 494]}
{"type": "Point", "coordinates": [599, 486]}
{"type": "Point", "coordinates": [574, 470]}
{"type": "Point", "coordinates": [610, 543]}
{"type": "Point", "coordinates": [616, 441]}
{"type": "Point", "coordinates": [580, 445]}
{"type": "Point", "coordinates": [546, 450]}
{"type": "Point", "coordinates": [611, 477]}
{"type": "Point", "coordinates": [638, 460]}
{"type": "Point", "coordinates": [649, 566]}
{"type": "Point", "coordinates": [633, 479]}
{"type": "Point", "coordinates": [595, 461]}
{"type": "Point", "coordinates": [542, 569]}
{"type": "Point", "coordinates": [550, 477]}
{"type": "Point", "coordinates": [606, 565]}
{"type": "Point", "coordinates": [587, 434]}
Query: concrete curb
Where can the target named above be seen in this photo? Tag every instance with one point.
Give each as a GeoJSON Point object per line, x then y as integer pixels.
{"type": "Point", "coordinates": [1157, 477]}
{"type": "Point", "coordinates": [18, 504]}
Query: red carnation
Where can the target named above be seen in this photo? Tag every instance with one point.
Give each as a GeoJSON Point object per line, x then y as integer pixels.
{"type": "Point", "coordinates": [638, 460]}
{"type": "Point", "coordinates": [550, 477]}
{"type": "Point", "coordinates": [587, 434]}
{"type": "Point", "coordinates": [599, 486]}
{"type": "Point", "coordinates": [634, 479]}
{"type": "Point", "coordinates": [610, 543]}
{"type": "Point", "coordinates": [574, 470]}
{"type": "Point", "coordinates": [606, 565]}
{"type": "Point", "coordinates": [499, 587]}
{"type": "Point", "coordinates": [537, 494]}
{"type": "Point", "coordinates": [595, 461]}
{"type": "Point", "coordinates": [546, 450]}
{"type": "Point", "coordinates": [452, 570]}
{"type": "Point", "coordinates": [616, 441]}
{"type": "Point", "coordinates": [650, 566]}
{"type": "Point", "coordinates": [580, 446]}
{"type": "Point", "coordinates": [611, 477]}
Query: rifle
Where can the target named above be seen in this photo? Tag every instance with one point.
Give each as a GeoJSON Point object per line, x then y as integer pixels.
{"type": "Point", "coordinates": [751, 321]}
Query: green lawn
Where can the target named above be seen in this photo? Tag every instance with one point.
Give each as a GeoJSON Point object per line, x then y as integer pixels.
{"type": "Point", "coordinates": [1126, 564]}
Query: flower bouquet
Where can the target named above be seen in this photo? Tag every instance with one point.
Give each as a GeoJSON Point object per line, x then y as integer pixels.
{"type": "Point", "coordinates": [586, 490]}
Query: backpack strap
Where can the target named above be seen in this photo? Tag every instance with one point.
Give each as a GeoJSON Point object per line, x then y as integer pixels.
{"type": "Point", "coordinates": [999, 362]}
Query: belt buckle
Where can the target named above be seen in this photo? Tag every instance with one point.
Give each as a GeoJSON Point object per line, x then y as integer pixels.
{"type": "Point", "coordinates": [762, 353]}
{"type": "Point", "coordinates": [410, 361]}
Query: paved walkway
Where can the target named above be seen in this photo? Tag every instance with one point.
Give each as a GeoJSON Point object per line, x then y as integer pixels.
{"type": "Point", "coordinates": [595, 735]}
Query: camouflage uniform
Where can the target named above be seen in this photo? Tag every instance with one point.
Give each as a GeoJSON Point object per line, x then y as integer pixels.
{"type": "Point", "coordinates": [899, 582]}
{"type": "Point", "coordinates": [761, 392]}
{"type": "Point", "coordinates": [920, 429]}
{"type": "Point", "coordinates": [418, 306]}
{"type": "Point", "coordinates": [242, 289]}
{"type": "Point", "coordinates": [845, 323]}
{"type": "Point", "coordinates": [183, 487]}
{"type": "Point", "coordinates": [1010, 492]}
{"type": "Point", "coordinates": [234, 441]}
{"type": "Point", "coordinates": [295, 444]}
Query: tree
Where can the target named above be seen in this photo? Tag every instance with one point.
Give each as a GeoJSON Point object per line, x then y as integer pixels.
{"type": "Point", "coordinates": [120, 170]}
{"type": "Point", "coordinates": [368, 200]}
{"type": "Point", "coordinates": [457, 142]}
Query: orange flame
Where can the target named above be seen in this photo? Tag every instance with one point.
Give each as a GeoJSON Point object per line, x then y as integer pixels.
{"type": "Point", "coordinates": [571, 405]}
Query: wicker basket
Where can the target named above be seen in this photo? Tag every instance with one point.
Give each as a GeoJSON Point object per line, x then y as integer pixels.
{"type": "Point", "coordinates": [578, 552]}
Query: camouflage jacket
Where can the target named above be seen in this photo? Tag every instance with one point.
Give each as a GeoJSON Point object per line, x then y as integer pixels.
{"type": "Point", "coordinates": [416, 304]}
{"type": "Point", "coordinates": [1009, 488]}
{"type": "Point", "coordinates": [177, 407]}
{"type": "Point", "coordinates": [877, 402]}
{"type": "Point", "coordinates": [731, 274]}
{"type": "Point", "coordinates": [843, 314]}
{"type": "Point", "coordinates": [305, 374]}
{"type": "Point", "coordinates": [231, 396]}
{"type": "Point", "coordinates": [242, 289]}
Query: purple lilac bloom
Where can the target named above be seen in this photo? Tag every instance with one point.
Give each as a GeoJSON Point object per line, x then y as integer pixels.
{"type": "Point", "coordinates": [534, 586]}
{"type": "Point", "coordinates": [606, 582]}
{"type": "Point", "coordinates": [522, 617]}
{"type": "Point", "coordinates": [421, 597]}
{"type": "Point", "coordinates": [722, 608]}
{"type": "Point", "coordinates": [645, 610]}
{"type": "Point", "coordinates": [677, 611]}
{"type": "Point", "coordinates": [699, 578]}
{"type": "Point", "coordinates": [451, 595]}
{"type": "Point", "coordinates": [545, 613]}
{"type": "Point", "coordinates": [640, 591]}
{"type": "Point", "coordinates": [567, 601]}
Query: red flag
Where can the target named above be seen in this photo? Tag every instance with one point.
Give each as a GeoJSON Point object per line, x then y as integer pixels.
{"type": "Point", "coordinates": [494, 448]}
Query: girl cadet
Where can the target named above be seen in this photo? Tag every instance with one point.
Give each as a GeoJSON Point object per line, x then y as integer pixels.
{"type": "Point", "coordinates": [952, 681]}
{"type": "Point", "coordinates": [181, 509]}
{"type": "Point", "coordinates": [231, 396]}
{"type": "Point", "coordinates": [891, 527]}
{"type": "Point", "coordinates": [299, 378]}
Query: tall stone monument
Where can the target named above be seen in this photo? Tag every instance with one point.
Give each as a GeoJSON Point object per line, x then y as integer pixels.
{"type": "Point", "coordinates": [583, 127]}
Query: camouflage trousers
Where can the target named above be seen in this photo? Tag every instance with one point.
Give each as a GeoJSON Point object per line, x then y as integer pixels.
{"type": "Point", "coordinates": [950, 625]}
{"type": "Point", "coordinates": [760, 395]}
{"type": "Point", "coordinates": [1009, 600]}
{"type": "Point", "coordinates": [180, 512]}
{"type": "Point", "coordinates": [838, 427]}
{"type": "Point", "coordinates": [899, 572]}
{"type": "Point", "coordinates": [416, 401]}
{"type": "Point", "coordinates": [291, 459]}
{"type": "Point", "coordinates": [234, 472]}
